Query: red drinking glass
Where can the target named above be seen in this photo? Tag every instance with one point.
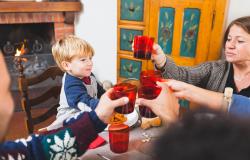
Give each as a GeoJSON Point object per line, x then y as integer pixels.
{"type": "Point", "coordinates": [125, 90]}
{"type": "Point", "coordinates": [150, 77]}
{"type": "Point", "coordinates": [148, 92]}
{"type": "Point", "coordinates": [118, 137]}
{"type": "Point", "coordinates": [143, 46]}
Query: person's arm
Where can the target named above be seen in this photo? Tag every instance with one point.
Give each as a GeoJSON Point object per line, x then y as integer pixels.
{"type": "Point", "coordinates": [200, 96]}
{"type": "Point", "coordinates": [77, 95]}
{"type": "Point", "coordinates": [67, 142]}
{"type": "Point", "coordinates": [240, 105]}
{"type": "Point", "coordinates": [196, 75]}
{"type": "Point", "coordinates": [72, 140]}
{"type": "Point", "coordinates": [6, 102]}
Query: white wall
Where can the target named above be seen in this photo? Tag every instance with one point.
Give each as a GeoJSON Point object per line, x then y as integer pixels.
{"type": "Point", "coordinates": [238, 8]}
{"type": "Point", "coordinates": [98, 24]}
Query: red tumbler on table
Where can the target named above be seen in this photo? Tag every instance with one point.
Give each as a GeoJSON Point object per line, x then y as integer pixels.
{"type": "Point", "coordinates": [119, 137]}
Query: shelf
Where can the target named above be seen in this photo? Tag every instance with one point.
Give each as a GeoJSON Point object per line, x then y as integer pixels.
{"type": "Point", "coordinates": [26, 6]}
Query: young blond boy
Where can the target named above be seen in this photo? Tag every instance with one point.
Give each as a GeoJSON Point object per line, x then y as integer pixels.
{"type": "Point", "coordinates": [80, 90]}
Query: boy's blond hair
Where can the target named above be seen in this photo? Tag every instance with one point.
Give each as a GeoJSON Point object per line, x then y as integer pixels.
{"type": "Point", "coordinates": [69, 47]}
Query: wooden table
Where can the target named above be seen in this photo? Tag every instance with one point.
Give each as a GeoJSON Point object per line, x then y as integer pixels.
{"type": "Point", "coordinates": [137, 149]}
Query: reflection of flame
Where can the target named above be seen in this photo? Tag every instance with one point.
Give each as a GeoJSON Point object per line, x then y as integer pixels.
{"type": "Point", "coordinates": [20, 52]}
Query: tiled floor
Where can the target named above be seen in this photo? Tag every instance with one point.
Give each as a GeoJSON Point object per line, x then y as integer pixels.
{"type": "Point", "coordinates": [17, 127]}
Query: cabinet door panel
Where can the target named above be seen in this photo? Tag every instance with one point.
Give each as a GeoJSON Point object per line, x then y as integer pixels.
{"type": "Point", "coordinates": [126, 36]}
{"type": "Point", "coordinates": [128, 67]}
{"type": "Point", "coordinates": [133, 12]}
{"type": "Point", "coordinates": [190, 22]}
{"type": "Point", "coordinates": [190, 31]}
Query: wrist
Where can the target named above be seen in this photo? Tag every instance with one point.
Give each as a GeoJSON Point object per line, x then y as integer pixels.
{"type": "Point", "coordinates": [98, 122]}
{"type": "Point", "coordinates": [161, 62]}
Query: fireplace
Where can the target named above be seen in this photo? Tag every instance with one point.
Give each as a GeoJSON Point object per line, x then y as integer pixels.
{"type": "Point", "coordinates": [36, 25]}
{"type": "Point", "coordinates": [37, 39]}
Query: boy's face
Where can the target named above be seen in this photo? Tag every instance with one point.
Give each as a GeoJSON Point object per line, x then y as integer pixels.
{"type": "Point", "coordinates": [80, 67]}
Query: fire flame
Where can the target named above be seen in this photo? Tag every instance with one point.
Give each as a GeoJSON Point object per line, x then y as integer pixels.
{"type": "Point", "coordinates": [20, 52]}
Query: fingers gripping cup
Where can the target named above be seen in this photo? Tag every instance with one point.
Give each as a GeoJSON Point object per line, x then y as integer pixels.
{"type": "Point", "coordinates": [143, 46]}
{"type": "Point", "coordinates": [125, 90]}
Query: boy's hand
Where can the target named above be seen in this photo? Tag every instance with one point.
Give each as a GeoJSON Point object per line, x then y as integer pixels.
{"type": "Point", "coordinates": [106, 106]}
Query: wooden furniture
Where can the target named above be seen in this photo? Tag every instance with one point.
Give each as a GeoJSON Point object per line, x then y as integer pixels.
{"type": "Point", "coordinates": [190, 31]}
{"type": "Point", "coordinates": [22, 6]}
{"type": "Point", "coordinates": [29, 101]}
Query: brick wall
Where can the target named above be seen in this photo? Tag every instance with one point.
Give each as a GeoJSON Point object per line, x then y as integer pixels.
{"type": "Point", "coordinates": [60, 27]}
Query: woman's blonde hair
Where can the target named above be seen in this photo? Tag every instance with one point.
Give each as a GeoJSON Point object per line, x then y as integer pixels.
{"type": "Point", "coordinates": [69, 47]}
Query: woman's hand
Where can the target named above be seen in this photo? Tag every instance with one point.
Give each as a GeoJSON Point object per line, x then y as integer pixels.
{"type": "Point", "coordinates": [200, 96]}
{"type": "Point", "coordinates": [182, 90]}
{"type": "Point", "coordinates": [165, 106]}
{"type": "Point", "coordinates": [158, 56]}
{"type": "Point", "coordinates": [106, 106]}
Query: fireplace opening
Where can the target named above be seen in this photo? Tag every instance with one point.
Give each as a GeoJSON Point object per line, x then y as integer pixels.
{"type": "Point", "coordinates": [36, 36]}
{"type": "Point", "coordinates": [37, 39]}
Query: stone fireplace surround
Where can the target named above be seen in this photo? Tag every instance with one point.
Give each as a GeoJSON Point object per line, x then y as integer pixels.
{"type": "Point", "coordinates": [60, 14]}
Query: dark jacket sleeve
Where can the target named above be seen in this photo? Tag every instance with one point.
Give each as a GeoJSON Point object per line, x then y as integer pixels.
{"type": "Point", "coordinates": [72, 140]}
{"type": "Point", "coordinates": [76, 92]}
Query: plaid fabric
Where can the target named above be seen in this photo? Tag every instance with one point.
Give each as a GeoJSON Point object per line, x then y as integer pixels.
{"type": "Point", "coordinates": [65, 143]}
{"type": "Point", "coordinates": [210, 75]}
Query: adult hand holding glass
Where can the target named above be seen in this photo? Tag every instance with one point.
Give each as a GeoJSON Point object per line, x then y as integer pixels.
{"type": "Point", "coordinates": [165, 106]}
{"type": "Point", "coordinates": [195, 94]}
{"type": "Point", "coordinates": [158, 56]}
{"type": "Point", "coordinates": [106, 106]}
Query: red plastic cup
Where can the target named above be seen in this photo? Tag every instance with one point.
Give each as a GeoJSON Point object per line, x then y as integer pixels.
{"type": "Point", "coordinates": [150, 77]}
{"type": "Point", "coordinates": [125, 90]}
{"type": "Point", "coordinates": [143, 46]}
{"type": "Point", "coordinates": [118, 137]}
{"type": "Point", "coordinates": [148, 92]}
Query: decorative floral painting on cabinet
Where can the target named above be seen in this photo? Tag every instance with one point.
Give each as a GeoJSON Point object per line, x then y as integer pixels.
{"type": "Point", "coordinates": [130, 68]}
{"type": "Point", "coordinates": [165, 31]}
{"type": "Point", "coordinates": [190, 32]}
{"type": "Point", "coordinates": [132, 10]}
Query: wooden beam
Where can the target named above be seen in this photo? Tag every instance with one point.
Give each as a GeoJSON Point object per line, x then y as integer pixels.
{"type": "Point", "coordinates": [40, 7]}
